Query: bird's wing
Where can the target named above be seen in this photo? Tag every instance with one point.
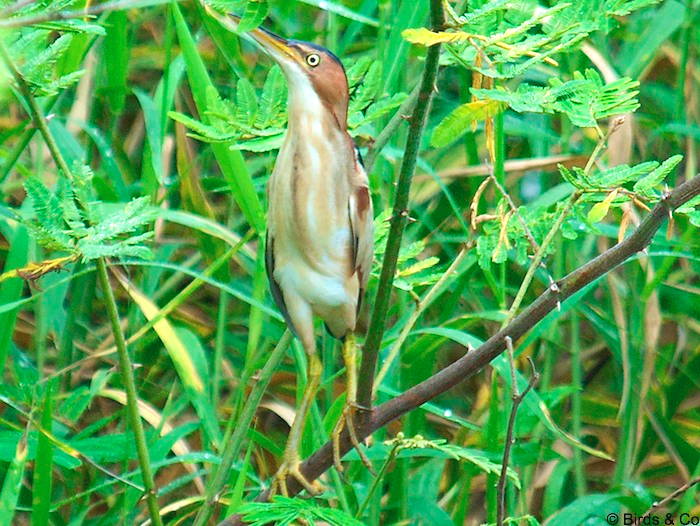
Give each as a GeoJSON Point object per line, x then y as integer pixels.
{"type": "Point", "coordinates": [362, 226]}
{"type": "Point", "coordinates": [274, 286]}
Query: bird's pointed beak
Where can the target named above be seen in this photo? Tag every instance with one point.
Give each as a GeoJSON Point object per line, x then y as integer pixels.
{"type": "Point", "coordinates": [275, 46]}
{"type": "Point", "coordinates": [270, 42]}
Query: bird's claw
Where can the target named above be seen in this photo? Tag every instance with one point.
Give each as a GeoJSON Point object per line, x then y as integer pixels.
{"type": "Point", "coordinates": [292, 468]}
{"type": "Point", "coordinates": [347, 420]}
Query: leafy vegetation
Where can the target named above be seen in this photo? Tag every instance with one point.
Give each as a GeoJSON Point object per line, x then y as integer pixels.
{"type": "Point", "coordinates": [147, 374]}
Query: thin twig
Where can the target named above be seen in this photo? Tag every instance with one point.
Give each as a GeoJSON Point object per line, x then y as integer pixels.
{"type": "Point", "coordinates": [377, 481]}
{"type": "Point", "coordinates": [677, 493]}
{"type": "Point", "coordinates": [517, 398]}
{"type": "Point", "coordinates": [406, 109]}
{"type": "Point", "coordinates": [534, 265]}
{"type": "Point", "coordinates": [475, 360]}
{"type": "Point", "coordinates": [528, 233]}
{"type": "Point", "coordinates": [539, 255]}
{"type": "Point", "coordinates": [400, 216]}
{"type": "Point", "coordinates": [514, 166]}
{"type": "Point", "coordinates": [420, 307]}
{"type": "Point", "coordinates": [53, 16]}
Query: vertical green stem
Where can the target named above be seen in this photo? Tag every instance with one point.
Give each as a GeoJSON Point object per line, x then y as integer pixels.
{"type": "Point", "coordinates": [333, 30]}
{"type": "Point", "coordinates": [490, 441]}
{"type": "Point", "coordinates": [683, 63]}
{"type": "Point", "coordinates": [375, 483]}
{"type": "Point", "coordinates": [42, 482]}
{"type": "Point", "coordinates": [461, 507]}
{"type": "Point", "coordinates": [221, 317]}
{"type": "Point", "coordinates": [168, 43]}
{"type": "Point", "coordinates": [577, 384]}
{"type": "Point", "coordinates": [41, 331]}
{"type": "Point", "coordinates": [400, 215]}
{"type": "Point", "coordinates": [499, 151]}
{"type": "Point", "coordinates": [499, 172]}
{"type": "Point", "coordinates": [127, 373]}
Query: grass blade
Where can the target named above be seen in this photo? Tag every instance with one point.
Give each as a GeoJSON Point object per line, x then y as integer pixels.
{"type": "Point", "coordinates": [230, 162]}
{"type": "Point", "coordinates": [12, 484]}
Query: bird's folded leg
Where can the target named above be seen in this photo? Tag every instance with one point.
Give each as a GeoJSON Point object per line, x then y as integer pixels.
{"type": "Point", "coordinates": [347, 418]}
{"type": "Point", "coordinates": [292, 460]}
{"type": "Point", "coordinates": [291, 468]}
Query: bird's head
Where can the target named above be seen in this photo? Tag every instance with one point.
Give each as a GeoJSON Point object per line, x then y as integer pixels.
{"type": "Point", "coordinates": [310, 70]}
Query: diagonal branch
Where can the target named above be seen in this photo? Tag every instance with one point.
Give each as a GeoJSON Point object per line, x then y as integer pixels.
{"type": "Point", "coordinates": [474, 361]}
{"type": "Point", "coordinates": [677, 493]}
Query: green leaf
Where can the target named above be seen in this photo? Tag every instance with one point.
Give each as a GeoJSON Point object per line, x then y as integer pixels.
{"type": "Point", "coordinates": [617, 175]}
{"type": "Point", "coordinates": [585, 509]}
{"type": "Point", "coordinates": [456, 452]}
{"type": "Point", "coordinates": [115, 60]}
{"type": "Point", "coordinates": [153, 132]}
{"type": "Point", "coordinates": [284, 510]}
{"type": "Point", "coordinates": [646, 184]}
{"type": "Point", "coordinates": [339, 9]}
{"type": "Point", "coordinates": [526, 98]}
{"type": "Point", "coordinates": [255, 12]}
{"type": "Point", "coordinates": [457, 123]}
{"type": "Point", "coordinates": [367, 88]}
{"type": "Point", "coordinates": [593, 100]}
{"type": "Point", "coordinates": [246, 102]}
{"type": "Point", "coordinates": [376, 110]}
{"type": "Point", "coordinates": [273, 99]}
{"type": "Point", "coordinates": [42, 481]}
{"type": "Point", "coordinates": [39, 70]}
{"type": "Point", "coordinates": [694, 218]}
{"type": "Point", "coordinates": [585, 99]}
{"type": "Point", "coordinates": [47, 206]}
{"type": "Point", "coordinates": [203, 132]}
{"type": "Point", "coordinates": [598, 211]}
{"type": "Point", "coordinates": [260, 144]}
{"type": "Point", "coordinates": [636, 54]}
{"type": "Point", "coordinates": [689, 206]}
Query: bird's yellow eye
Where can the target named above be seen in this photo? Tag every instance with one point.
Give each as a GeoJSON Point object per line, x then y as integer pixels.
{"type": "Point", "coordinates": [313, 60]}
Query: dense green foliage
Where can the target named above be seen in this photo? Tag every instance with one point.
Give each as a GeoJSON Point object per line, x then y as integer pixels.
{"type": "Point", "coordinates": [139, 137]}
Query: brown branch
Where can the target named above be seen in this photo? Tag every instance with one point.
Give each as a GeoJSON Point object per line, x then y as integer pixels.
{"type": "Point", "coordinates": [474, 361]}
{"type": "Point", "coordinates": [517, 398]}
{"type": "Point", "coordinates": [677, 493]}
{"type": "Point", "coordinates": [513, 166]}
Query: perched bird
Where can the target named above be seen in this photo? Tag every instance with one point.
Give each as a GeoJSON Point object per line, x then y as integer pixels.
{"type": "Point", "coordinates": [320, 224]}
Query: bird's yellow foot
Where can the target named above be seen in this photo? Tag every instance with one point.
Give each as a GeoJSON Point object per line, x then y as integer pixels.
{"type": "Point", "coordinates": [291, 467]}
{"type": "Point", "coordinates": [347, 420]}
